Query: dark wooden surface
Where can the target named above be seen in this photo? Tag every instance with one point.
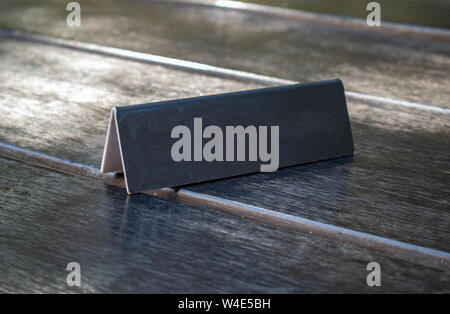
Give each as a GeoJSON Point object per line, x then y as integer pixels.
{"type": "Point", "coordinates": [57, 100]}
{"type": "Point", "coordinates": [415, 12]}
{"type": "Point", "coordinates": [145, 244]}
{"type": "Point", "coordinates": [365, 193]}
{"type": "Point", "coordinates": [401, 67]}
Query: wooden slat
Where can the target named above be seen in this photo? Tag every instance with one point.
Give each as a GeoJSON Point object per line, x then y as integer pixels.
{"type": "Point", "coordinates": [415, 12]}
{"type": "Point", "coordinates": [395, 66]}
{"type": "Point", "coordinates": [145, 244]}
{"type": "Point", "coordinates": [394, 249]}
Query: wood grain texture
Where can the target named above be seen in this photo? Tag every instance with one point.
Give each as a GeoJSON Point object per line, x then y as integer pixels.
{"type": "Point", "coordinates": [396, 186]}
{"type": "Point", "coordinates": [395, 249]}
{"type": "Point", "coordinates": [145, 244]}
{"type": "Point", "coordinates": [381, 64]}
{"type": "Point", "coordinates": [416, 12]}
{"type": "Point", "coordinates": [57, 101]}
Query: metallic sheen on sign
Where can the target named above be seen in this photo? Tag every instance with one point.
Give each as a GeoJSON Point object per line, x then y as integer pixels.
{"type": "Point", "coordinates": [184, 141]}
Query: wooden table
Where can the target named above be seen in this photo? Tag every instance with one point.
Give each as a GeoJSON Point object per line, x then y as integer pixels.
{"type": "Point", "coordinates": [310, 228]}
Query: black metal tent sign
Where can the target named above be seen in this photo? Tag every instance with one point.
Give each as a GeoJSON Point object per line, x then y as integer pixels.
{"type": "Point", "coordinates": [183, 141]}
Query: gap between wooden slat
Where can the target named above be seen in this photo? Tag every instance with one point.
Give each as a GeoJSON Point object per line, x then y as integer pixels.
{"type": "Point", "coordinates": [392, 248]}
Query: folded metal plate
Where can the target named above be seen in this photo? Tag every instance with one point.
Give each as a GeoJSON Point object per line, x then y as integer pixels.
{"type": "Point", "coordinates": [178, 142]}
